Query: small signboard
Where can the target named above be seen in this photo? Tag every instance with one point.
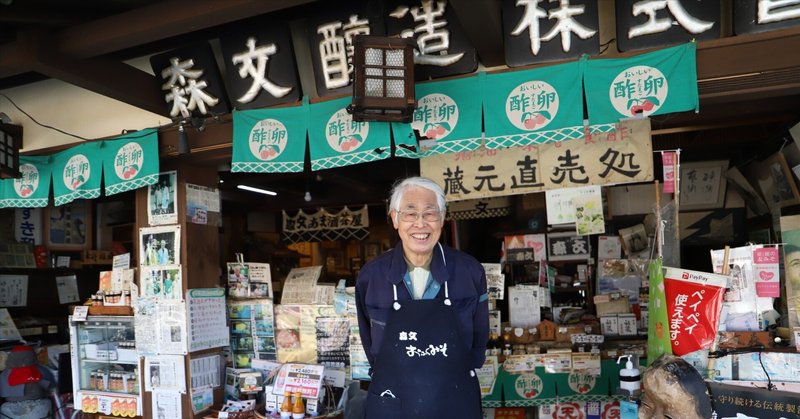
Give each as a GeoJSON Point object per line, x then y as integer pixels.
{"type": "Point", "coordinates": [567, 246]}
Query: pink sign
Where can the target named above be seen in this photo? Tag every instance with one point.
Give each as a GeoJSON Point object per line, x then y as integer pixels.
{"type": "Point", "coordinates": [668, 161]}
{"type": "Point", "coordinates": [765, 265]}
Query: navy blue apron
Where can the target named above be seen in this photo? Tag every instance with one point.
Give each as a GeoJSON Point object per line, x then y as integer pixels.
{"type": "Point", "coordinates": [423, 368]}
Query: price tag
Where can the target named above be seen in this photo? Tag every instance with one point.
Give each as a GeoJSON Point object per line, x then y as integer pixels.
{"type": "Point", "coordinates": [62, 262]}
{"type": "Point", "coordinates": [80, 313]}
{"type": "Point", "coordinates": [104, 405]}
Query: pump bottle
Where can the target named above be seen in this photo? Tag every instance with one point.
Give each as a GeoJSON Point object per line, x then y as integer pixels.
{"type": "Point", "coordinates": [629, 378]}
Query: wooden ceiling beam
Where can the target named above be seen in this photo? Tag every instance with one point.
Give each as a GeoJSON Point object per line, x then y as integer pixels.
{"type": "Point", "coordinates": [482, 22]}
{"type": "Point", "coordinates": [160, 21]}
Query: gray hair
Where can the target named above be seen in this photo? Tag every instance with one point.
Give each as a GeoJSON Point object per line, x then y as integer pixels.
{"type": "Point", "coordinates": [416, 182]}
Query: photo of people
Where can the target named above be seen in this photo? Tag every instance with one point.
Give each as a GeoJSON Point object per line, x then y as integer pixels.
{"type": "Point", "coordinates": [162, 198]}
{"type": "Point", "coordinates": [160, 246]}
{"type": "Point", "coordinates": [162, 282]}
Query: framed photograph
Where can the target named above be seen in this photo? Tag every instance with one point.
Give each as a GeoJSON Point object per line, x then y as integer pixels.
{"type": "Point", "coordinates": [775, 180]}
{"type": "Point", "coordinates": [703, 184]}
{"type": "Point", "coordinates": [69, 226]}
{"type": "Point", "coordinates": [159, 246]}
{"type": "Point", "coordinates": [162, 199]}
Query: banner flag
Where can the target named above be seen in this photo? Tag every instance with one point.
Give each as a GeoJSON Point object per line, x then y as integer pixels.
{"type": "Point", "coordinates": [32, 188]}
{"type": "Point", "coordinates": [130, 161]}
{"type": "Point", "coordinates": [271, 140]}
{"type": "Point", "coordinates": [77, 172]}
{"type": "Point", "coordinates": [448, 115]}
{"type": "Point", "coordinates": [654, 83]}
{"type": "Point", "coordinates": [335, 140]}
{"type": "Point", "coordinates": [535, 106]}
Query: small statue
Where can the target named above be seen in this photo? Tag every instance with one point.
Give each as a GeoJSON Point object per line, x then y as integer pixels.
{"type": "Point", "coordinates": [674, 389]}
{"type": "Point", "coordinates": [25, 385]}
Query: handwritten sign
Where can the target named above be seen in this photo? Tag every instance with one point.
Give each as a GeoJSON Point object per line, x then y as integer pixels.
{"type": "Point", "coordinates": [621, 156]}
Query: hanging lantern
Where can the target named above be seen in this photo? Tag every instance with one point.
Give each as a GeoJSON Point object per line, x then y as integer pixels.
{"type": "Point", "coordinates": [383, 79]}
{"type": "Point", "coordinates": [10, 143]}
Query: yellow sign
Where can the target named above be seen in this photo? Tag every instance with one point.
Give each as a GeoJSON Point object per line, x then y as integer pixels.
{"type": "Point", "coordinates": [624, 155]}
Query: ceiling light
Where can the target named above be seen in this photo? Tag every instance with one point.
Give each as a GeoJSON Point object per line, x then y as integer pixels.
{"type": "Point", "coordinates": [257, 190]}
{"type": "Point", "coordinates": [307, 196]}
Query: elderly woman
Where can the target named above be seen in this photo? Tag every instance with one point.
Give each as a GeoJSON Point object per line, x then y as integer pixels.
{"type": "Point", "coordinates": [423, 315]}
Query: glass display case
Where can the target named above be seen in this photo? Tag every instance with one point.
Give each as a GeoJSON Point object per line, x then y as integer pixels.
{"type": "Point", "coordinates": [105, 366]}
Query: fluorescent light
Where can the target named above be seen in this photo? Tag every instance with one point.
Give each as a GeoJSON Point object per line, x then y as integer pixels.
{"type": "Point", "coordinates": [258, 190]}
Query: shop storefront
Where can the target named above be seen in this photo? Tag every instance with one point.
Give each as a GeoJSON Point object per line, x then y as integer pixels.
{"type": "Point", "coordinates": [627, 198]}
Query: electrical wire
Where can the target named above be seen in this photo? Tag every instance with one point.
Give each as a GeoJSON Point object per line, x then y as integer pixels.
{"type": "Point", "coordinates": [39, 123]}
{"type": "Point", "coordinates": [770, 386]}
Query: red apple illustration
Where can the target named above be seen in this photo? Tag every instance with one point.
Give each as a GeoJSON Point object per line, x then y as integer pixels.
{"type": "Point", "coordinates": [583, 389]}
{"type": "Point", "coordinates": [647, 105]}
{"type": "Point", "coordinates": [530, 123]}
{"type": "Point", "coordinates": [540, 119]}
{"type": "Point", "coordinates": [636, 109]}
{"type": "Point", "coordinates": [346, 146]}
{"type": "Point", "coordinates": [264, 153]}
{"type": "Point", "coordinates": [353, 142]}
{"type": "Point", "coordinates": [440, 130]}
{"type": "Point", "coordinates": [431, 133]}
{"type": "Point", "coordinates": [25, 191]}
{"type": "Point", "coordinates": [126, 174]}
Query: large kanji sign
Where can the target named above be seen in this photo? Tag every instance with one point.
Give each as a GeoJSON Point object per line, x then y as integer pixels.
{"type": "Point", "coordinates": [623, 155]}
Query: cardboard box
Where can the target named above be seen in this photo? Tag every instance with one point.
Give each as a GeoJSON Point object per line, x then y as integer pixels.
{"type": "Point", "coordinates": [606, 304]}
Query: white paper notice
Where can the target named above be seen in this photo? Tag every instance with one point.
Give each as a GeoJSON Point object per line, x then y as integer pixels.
{"type": "Point", "coordinates": [560, 209]}
{"type": "Point", "coordinates": [166, 405]}
{"type": "Point", "coordinates": [523, 306]}
{"type": "Point", "coordinates": [324, 294]}
{"type": "Point", "coordinates": [8, 330]}
{"type": "Point", "coordinates": [205, 371]}
{"type": "Point", "coordinates": [13, 290]}
{"type": "Point", "coordinates": [160, 326]}
{"type": "Point", "coordinates": [164, 372]}
{"type": "Point", "coordinates": [495, 280]}
{"type": "Point", "coordinates": [67, 289]}
{"type": "Point", "coordinates": [207, 325]}
{"type": "Point", "coordinates": [122, 261]}
{"type": "Point", "coordinates": [300, 285]}
{"type": "Point", "coordinates": [608, 247]}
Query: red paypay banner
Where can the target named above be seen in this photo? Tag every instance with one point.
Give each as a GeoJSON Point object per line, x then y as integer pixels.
{"type": "Point", "coordinates": [694, 301]}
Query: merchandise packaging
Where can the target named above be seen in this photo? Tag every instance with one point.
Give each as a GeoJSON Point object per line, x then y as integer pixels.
{"type": "Point", "coordinates": [694, 301]}
{"type": "Point", "coordinates": [741, 313]}
{"type": "Point", "coordinates": [657, 325]}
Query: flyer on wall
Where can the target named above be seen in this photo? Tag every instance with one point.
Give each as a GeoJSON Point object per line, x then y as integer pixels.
{"type": "Point", "coordinates": [162, 198]}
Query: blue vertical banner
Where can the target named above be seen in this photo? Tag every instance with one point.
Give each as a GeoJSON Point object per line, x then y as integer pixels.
{"type": "Point", "coordinates": [335, 140]}
{"type": "Point", "coordinates": [448, 115]}
{"type": "Point", "coordinates": [130, 161]}
{"type": "Point", "coordinates": [534, 106]}
{"type": "Point", "coordinates": [271, 140]}
{"type": "Point", "coordinates": [654, 83]}
{"type": "Point", "coordinates": [32, 188]}
{"type": "Point", "coordinates": [77, 172]}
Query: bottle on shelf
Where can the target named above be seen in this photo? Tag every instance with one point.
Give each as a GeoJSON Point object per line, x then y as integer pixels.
{"type": "Point", "coordinates": [286, 406]}
{"type": "Point", "coordinates": [298, 410]}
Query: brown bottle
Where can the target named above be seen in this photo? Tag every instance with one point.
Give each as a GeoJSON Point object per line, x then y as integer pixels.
{"type": "Point", "coordinates": [298, 411]}
{"type": "Point", "coordinates": [286, 406]}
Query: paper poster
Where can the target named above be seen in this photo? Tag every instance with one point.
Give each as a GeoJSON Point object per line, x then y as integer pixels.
{"type": "Point", "coordinates": [560, 207]}
{"type": "Point", "coordinates": [523, 306]}
{"type": "Point", "coordinates": [608, 247]}
{"type": "Point", "coordinates": [162, 198]}
{"type": "Point", "coordinates": [160, 326]}
{"type": "Point", "coordinates": [765, 263]}
{"type": "Point", "coordinates": [67, 289]}
{"type": "Point", "coordinates": [252, 326]}
{"type": "Point", "coordinates": [694, 301]}
{"type": "Point", "coordinates": [300, 285]}
{"type": "Point", "coordinates": [333, 347]}
{"type": "Point", "coordinates": [167, 405]}
{"type": "Point", "coordinates": [164, 372]}
{"type": "Point", "coordinates": [121, 279]}
{"type": "Point", "coordinates": [122, 261]}
{"type": "Point", "coordinates": [249, 280]}
{"type": "Point", "coordinates": [207, 326]}
{"type": "Point", "coordinates": [205, 371]}
{"type": "Point", "coordinates": [324, 294]}
{"type": "Point", "coordinates": [160, 245]}
{"type": "Point", "coordinates": [589, 214]}
{"type": "Point", "coordinates": [202, 399]}
{"type": "Point", "coordinates": [495, 280]}
{"type": "Point", "coordinates": [13, 290]}
{"type": "Point", "coordinates": [8, 330]}
{"type": "Point", "coordinates": [203, 205]}
{"type": "Point", "coordinates": [162, 282]}
{"type": "Point", "coordinates": [487, 375]}
{"type": "Point", "coordinates": [523, 247]}
{"type": "Point", "coordinates": [303, 378]}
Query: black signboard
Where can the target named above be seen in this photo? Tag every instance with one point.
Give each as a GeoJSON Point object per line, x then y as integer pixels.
{"type": "Point", "coordinates": [648, 24]}
{"type": "Point", "coordinates": [733, 401]}
{"type": "Point", "coordinates": [443, 48]}
{"type": "Point", "coordinates": [537, 32]}
{"type": "Point", "coordinates": [330, 34]}
{"type": "Point", "coordinates": [259, 65]}
{"type": "Point", "coordinates": [764, 15]}
{"type": "Point", "coordinates": [567, 246]}
{"type": "Point", "coordinates": [190, 81]}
